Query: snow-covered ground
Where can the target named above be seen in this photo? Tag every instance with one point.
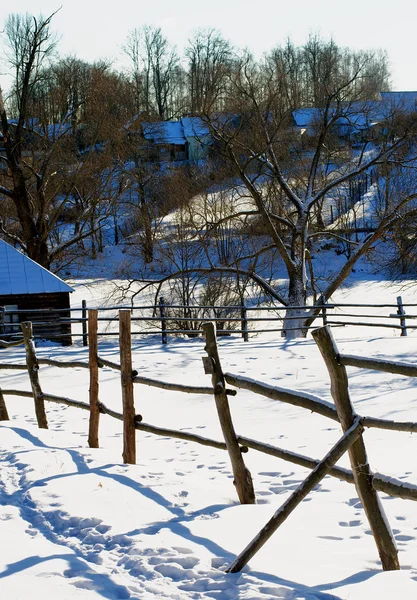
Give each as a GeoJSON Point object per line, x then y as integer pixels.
{"type": "Point", "coordinates": [77, 523]}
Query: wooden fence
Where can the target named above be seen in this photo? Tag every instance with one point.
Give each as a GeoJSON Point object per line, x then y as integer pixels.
{"type": "Point", "coordinates": [167, 320]}
{"type": "Point", "coordinates": [366, 482]}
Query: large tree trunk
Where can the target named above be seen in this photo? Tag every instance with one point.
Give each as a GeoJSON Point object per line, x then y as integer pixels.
{"type": "Point", "coordinates": [295, 318]}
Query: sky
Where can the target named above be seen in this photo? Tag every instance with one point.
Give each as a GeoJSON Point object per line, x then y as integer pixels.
{"type": "Point", "coordinates": [92, 29]}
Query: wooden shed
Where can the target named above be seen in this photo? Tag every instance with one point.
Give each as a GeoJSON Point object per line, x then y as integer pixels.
{"type": "Point", "coordinates": [26, 286]}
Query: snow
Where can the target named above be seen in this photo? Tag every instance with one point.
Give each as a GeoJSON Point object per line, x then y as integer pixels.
{"type": "Point", "coordinates": [77, 523]}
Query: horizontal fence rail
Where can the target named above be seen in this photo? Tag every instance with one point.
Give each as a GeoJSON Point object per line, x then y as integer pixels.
{"type": "Point", "coordinates": [342, 411]}
{"type": "Point", "coordinates": [165, 319]}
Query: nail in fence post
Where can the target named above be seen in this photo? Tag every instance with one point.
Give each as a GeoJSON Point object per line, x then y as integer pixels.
{"type": "Point", "coordinates": [33, 370]}
{"type": "Point", "coordinates": [163, 320]}
{"type": "Point", "coordinates": [244, 317]}
{"type": "Point", "coordinates": [94, 383]}
{"type": "Point", "coordinates": [401, 313]}
{"type": "Point", "coordinates": [84, 322]}
{"type": "Point", "coordinates": [242, 476]}
{"type": "Point", "coordinates": [362, 474]}
{"type": "Point", "coordinates": [129, 430]}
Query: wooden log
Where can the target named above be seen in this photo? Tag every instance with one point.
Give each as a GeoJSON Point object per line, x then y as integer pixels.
{"type": "Point", "coordinates": [103, 362]}
{"type": "Point", "coordinates": [297, 496]}
{"type": "Point", "coordinates": [401, 313]}
{"type": "Point", "coordinates": [382, 483]}
{"type": "Point", "coordinates": [33, 370]}
{"type": "Point", "coordinates": [407, 426]}
{"type": "Point", "coordinates": [244, 319]}
{"type": "Point", "coordinates": [13, 367]}
{"type": "Point", "coordinates": [71, 364]}
{"type": "Point", "coordinates": [301, 399]}
{"type": "Point", "coordinates": [129, 432]}
{"type": "Point", "coordinates": [177, 387]}
{"type": "Point", "coordinates": [242, 476]}
{"type": "Point", "coordinates": [94, 421]}
{"type": "Point", "coordinates": [163, 320]}
{"type": "Point", "coordinates": [312, 403]}
{"type": "Point", "coordinates": [357, 452]}
{"type": "Point", "coordinates": [4, 344]}
{"type": "Point", "coordinates": [377, 364]}
{"type": "Point", "coordinates": [181, 435]}
{"type": "Point", "coordinates": [322, 302]}
{"type": "Point", "coordinates": [4, 415]}
{"type": "Point", "coordinates": [84, 322]}
{"type": "Point", "coordinates": [358, 324]}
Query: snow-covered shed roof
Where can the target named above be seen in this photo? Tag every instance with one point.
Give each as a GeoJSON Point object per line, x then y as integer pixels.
{"type": "Point", "coordinates": [165, 132]}
{"type": "Point", "coordinates": [21, 275]}
{"type": "Point", "coordinates": [194, 127]}
{"type": "Point", "coordinates": [306, 117]}
{"type": "Point", "coordinates": [400, 100]}
{"type": "Point", "coordinates": [354, 117]}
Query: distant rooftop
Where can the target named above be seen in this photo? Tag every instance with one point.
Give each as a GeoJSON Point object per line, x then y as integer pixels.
{"type": "Point", "coordinates": [164, 132]}
{"type": "Point", "coordinates": [21, 275]}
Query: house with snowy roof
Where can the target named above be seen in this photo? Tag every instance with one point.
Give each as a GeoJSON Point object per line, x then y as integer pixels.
{"type": "Point", "coordinates": [198, 138]}
{"type": "Point", "coordinates": [353, 122]}
{"type": "Point", "coordinates": [167, 138]}
{"type": "Point", "coordinates": [44, 297]}
{"type": "Point", "coordinates": [399, 101]}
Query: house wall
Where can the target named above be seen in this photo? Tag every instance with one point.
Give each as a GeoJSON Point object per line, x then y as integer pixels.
{"type": "Point", "coordinates": [198, 148]}
{"type": "Point", "coordinates": [45, 324]}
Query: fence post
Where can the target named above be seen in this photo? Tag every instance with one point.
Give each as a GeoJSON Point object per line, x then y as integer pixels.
{"type": "Point", "coordinates": [84, 322]}
{"type": "Point", "coordinates": [94, 384]}
{"type": "Point", "coordinates": [163, 321]}
{"type": "Point", "coordinates": [316, 475]}
{"type": "Point", "coordinates": [242, 476]}
{"type": "Point", "coordinates": [4, 415]}
{"type": "Point", "coordinates": [357, 452]}
{"type": "Point", "coordinates": [401, 313]}
{"type": "Point", "coordinates": [129, 430]}
{"type": "Point", "coordinates": [2, 324]}
{"type": "Point", "coordinates": [322, 302]}
{"type": "Point", "coordinates": [244, 317]}
{"type": "Point", "coordinates": [33, 370]}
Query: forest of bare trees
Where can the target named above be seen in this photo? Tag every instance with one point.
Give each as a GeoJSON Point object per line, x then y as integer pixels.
{"type": "Point", "coordinates": [71, 168]}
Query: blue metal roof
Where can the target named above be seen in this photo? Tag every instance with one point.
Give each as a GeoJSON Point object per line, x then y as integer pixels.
{"type": "Point", "coordinates": [21, 275]}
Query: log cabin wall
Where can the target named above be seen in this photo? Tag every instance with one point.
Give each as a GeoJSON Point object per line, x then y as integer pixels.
{"type": "Point", "coordinates": [48, 324]}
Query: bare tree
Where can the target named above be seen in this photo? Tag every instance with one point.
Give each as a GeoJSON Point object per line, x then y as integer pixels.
{"type": "Point", "coordinates": [288, 185]}
{"type": "Point", "coordinates": [155, 71]}
{"type": "Point", "coordinates": [209, 61]}
{"type": "Point", "coordinates": [51, 185]}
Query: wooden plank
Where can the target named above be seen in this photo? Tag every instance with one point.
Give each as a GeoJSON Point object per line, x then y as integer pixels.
{"type": "Point", "coordinates": [129, 431]}
{"type": "Point", "coordinates": [401, 313]}
{"type": "Point", "coordinates": [357, 452]}
{"type": "Point", "coordinates": [407, 426]}
{"type": "Point", "coordinates": [33, 370]}
{"type": "Point", "coordinates": [4, 415]}
{"type": "Point", "coordinates": [301, 399]}
{"type": "Point", "coordinates": [242, 476]}
{"type": "Point", "coordinates": [382, 483]}
{"type": "Point", "coordinates": [377, 364]}
{"type": "Point", "coordinates": [94, 422]}
{"type": "Point", "coordinates": [178, 387]}
{"type": "Point", "coordinates": [103, 362]}
{"type": "Point", "coordinates": [297, 497]}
